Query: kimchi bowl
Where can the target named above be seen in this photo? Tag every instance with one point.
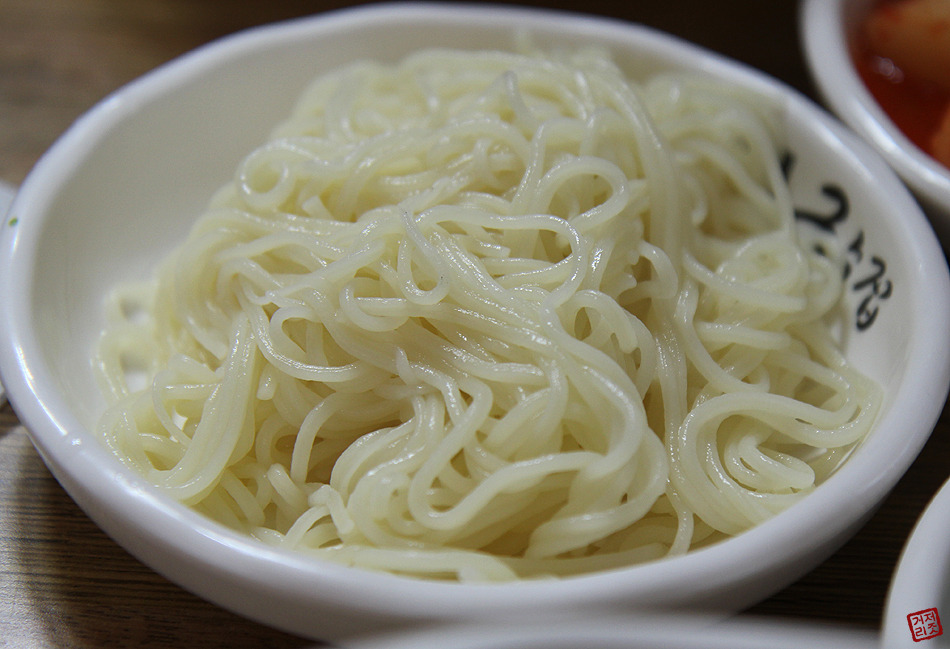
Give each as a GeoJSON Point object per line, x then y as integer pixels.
{"type": "Point", "coordinates": [830, 32]}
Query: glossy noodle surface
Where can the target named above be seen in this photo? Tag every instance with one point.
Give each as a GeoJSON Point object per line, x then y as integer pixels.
{"type": "Point", "coordinates": [492, 316]}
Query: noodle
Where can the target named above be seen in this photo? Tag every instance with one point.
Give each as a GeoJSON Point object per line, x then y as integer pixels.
{"type": "Point", "coordinates": [491, 316]}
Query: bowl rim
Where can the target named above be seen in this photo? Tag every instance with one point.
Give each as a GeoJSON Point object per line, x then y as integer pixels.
{"type": "Point", "coordinates": [173, 528]}
{"type": "Point", "coordinates": [825, 43]}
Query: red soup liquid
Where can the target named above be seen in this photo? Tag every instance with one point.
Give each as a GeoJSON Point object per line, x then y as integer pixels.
{"type": "Point", "coordinates": [918, 106]}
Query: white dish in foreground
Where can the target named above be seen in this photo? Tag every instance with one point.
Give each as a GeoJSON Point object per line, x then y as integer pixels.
{"type": "Point", "coordinates": [657, 632]}
{"type": "Point", "coordinates": [97, 209]}
{"type": "Point", "coordinates": [922, 581]}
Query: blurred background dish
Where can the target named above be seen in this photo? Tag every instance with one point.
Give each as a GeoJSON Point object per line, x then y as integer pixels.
{"type": "Point", "coordinates": [903, 115]}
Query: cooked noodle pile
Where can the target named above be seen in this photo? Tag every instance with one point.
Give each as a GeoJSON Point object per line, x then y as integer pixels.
{"type": "Point", "coordinates": [490, 316]}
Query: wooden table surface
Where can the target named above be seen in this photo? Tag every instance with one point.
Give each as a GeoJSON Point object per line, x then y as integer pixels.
{"type": "Point", "coordinates": [63, 583]}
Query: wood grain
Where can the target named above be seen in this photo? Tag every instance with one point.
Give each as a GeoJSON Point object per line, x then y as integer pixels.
{"type": "Point", "coordinates": [63, 583]}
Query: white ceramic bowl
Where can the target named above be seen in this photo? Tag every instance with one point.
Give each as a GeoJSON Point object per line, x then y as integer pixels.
{"type": "Point", "coordinates": [922, 579]}
{"type": "Point", "coordinates": [827, 27]}
{"type": "Point", "coordinates": [117, 191]}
